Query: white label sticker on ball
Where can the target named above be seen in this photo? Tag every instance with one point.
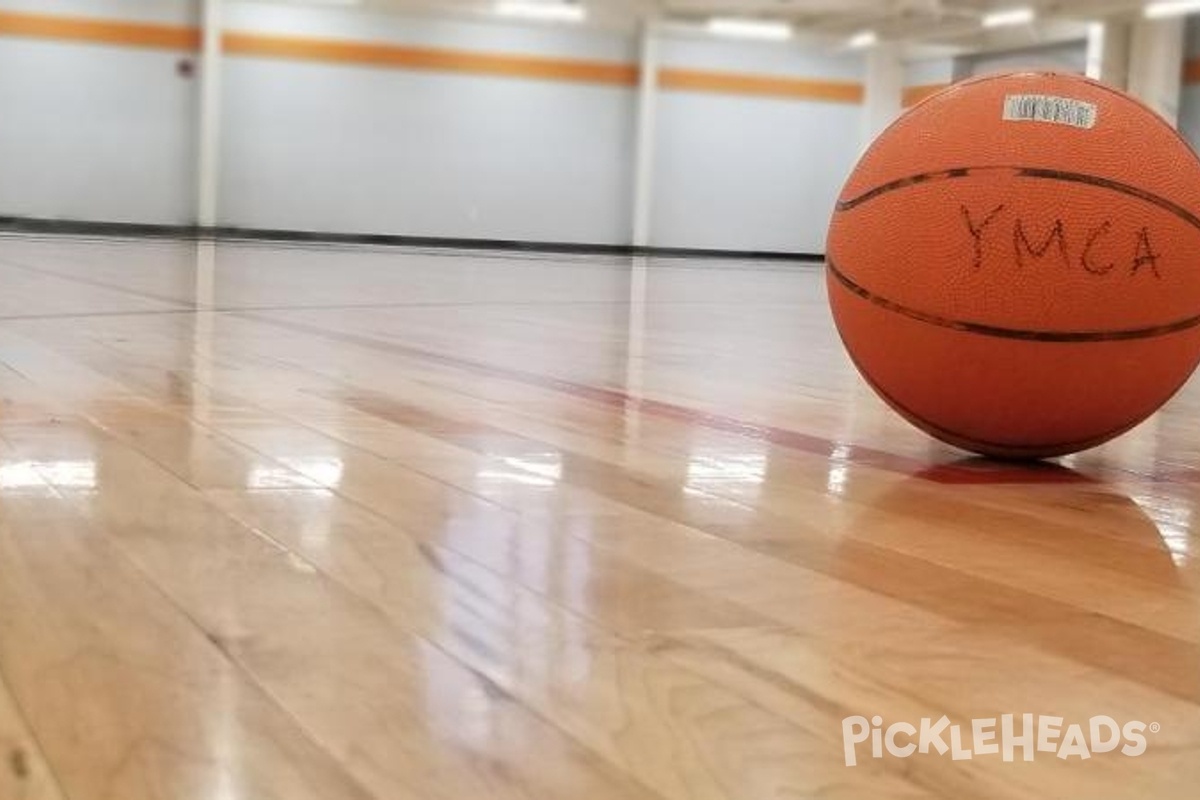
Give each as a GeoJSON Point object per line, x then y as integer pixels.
{"type": "Point", "coordinates": [1046, 108]}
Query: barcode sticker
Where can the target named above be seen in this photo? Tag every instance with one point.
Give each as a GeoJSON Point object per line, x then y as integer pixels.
{"type": "Point", "coordinates": [1045, 108]}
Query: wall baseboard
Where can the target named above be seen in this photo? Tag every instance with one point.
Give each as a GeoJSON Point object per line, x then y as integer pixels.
{"type": "Point", "coordinates": [130, 229]}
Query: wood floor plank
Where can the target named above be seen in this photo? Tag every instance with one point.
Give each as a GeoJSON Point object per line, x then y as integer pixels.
{"type": "Point", "coordinates": [592, 561]}
{"type": "Point", "coordinates": [621, 710]}
{"type": "Point", "coordinates": [392, 708]}
{"type": "Point", "coordinates": [774, 532]}
{"type": "Point", "coordinates": [24, 773]}
{"type": "Point", "coordinates": [386, 523]}
{"type": "Point", "coordinates": [127, 697]}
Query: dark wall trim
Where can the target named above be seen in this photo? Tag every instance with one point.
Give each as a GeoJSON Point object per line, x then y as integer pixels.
{"type": "Point", "coordinates": [86, 228]}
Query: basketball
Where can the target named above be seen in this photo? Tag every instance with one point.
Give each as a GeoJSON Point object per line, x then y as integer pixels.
{"type": "Point", "coordinates": [1014, 265]}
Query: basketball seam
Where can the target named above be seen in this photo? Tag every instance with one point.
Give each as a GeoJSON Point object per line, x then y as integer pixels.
{"type": "Point", "coordinates": [1035, 173]}
{"type": "Point", "coordinates": [961, 440]}
{"type": "Point", "coordinates": [1017, 451]}
{"type": "Point", "coordinates": [983, 329]}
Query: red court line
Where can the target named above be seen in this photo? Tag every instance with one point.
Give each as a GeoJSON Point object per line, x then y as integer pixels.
{"type": "Point", "coordinates": [973, 471]}
{"type": "Point", "coordinates": [982, 472]}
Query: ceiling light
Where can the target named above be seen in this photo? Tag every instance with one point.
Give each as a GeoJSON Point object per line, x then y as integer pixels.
{"type": "Point", "coordinates": [558, 12]}
{"type": "Point", "coordinates": [1011, 16]}
{"type": "Point", "coordinates": [1171, 8]}
{"type": "Point", "coordinates": [750, 28]}
{"type": "Point", "coordinates": [863, 39]}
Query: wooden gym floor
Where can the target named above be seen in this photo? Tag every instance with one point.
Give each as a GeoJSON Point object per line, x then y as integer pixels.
{"type": "Point", "coordinates": [284, 523]}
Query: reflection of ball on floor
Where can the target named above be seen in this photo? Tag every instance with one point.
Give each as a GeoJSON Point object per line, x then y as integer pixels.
{"type": "Point", "coordinates": [1049, 557]}
{"type": "Point", "coordinates": [1015, 264]}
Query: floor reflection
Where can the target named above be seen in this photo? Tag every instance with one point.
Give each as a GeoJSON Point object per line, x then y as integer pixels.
{"type": "Point", "coordinates": [74, 474]}
{"type": "Point", "coordinates": [1059, 564]}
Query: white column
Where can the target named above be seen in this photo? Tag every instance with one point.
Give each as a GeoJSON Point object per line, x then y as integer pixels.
{"type": "Point", "coordinates": [885, 89]}
{"type": "Point", "coordinates": [643, 175]}
{"type": "Point", "coordinates": [209, 134]}
{"type": "Point", "coordinates": [1108, 52]}
{"type": "Point", "coordinates": [1156, 64]}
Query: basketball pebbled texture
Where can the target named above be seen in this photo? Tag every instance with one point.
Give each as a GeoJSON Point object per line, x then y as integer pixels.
{"type": "Point", "coordinates": [1021, 288]}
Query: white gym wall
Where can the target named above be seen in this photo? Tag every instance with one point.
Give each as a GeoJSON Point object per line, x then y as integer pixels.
{"type": "Point", "coordinates": [109, 132]}
{"type": "Point", "coordinates": [320, 146]}
{"type": "Point", "coordinates": [751, 173]}
{"type": "Point", "coordinates": [94, 132]}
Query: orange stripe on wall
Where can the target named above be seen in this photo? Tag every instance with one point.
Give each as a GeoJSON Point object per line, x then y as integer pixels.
{"type": "Point", "coordinates": [692, 80]}
{"type": "Point", "coordinates": [915, 94]}
{"type": "Point", "coordinates": [127, 34]}
{"type": "Point", "coordinates": [385, 55]}
{"type": "Point", "coordinates": [135, 34]}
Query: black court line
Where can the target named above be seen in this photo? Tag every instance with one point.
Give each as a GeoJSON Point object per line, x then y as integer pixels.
{"type": "Point", "coordinates": [229, 233]}
{"type": "Point", "coordinates": [1012, 333]}
{"type": "Point", "coordinates": [1036, 173]}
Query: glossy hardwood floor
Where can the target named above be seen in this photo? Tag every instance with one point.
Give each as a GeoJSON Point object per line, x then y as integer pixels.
{"type": "Point", "coordinates": [285, 523]}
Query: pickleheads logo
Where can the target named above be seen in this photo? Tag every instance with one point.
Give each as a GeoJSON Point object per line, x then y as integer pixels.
{"type": "Point", "coordinates": [1030, 734]}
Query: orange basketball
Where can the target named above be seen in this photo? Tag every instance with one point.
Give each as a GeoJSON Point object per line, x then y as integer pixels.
{"type": "Point", "coordinates": [1014, 265]}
